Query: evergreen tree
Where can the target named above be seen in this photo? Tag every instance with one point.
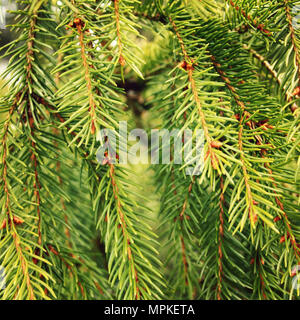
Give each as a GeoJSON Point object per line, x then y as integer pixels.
{"type": "Point", "coordinates": [74, 228]}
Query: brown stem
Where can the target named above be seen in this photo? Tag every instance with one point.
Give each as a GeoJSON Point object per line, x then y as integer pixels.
{"type": "Point", "coordinates": [185, 264]}
{"type": "Point", "coordinates": [92, 105]}
{"type": "Point", "coordinates": [7, 202]}
{"type": "Point", "coordinates": [189, 68]}
{"type": "Point", "coordinates": [259, 141]}
{"type": "Point", "coordinates": [262, 285]}
{"type": "Point", "coordinates": [181, 217]}
{"type": "Point", "coordinates": [36, 187]}
{"type": "Point", "coordinates": [29, 58]}
{"type": "Point", "coordinates": [252, 21]}
{"type": "Point", "coordinates": [119, 36]}
{"type": "Point", "coordinates": [280, 205]}
{"type": "Point", "coordinates": [252, 214]}
{"type": "Point", "coordinates": [123, 225]}
{"type": "Point", "coordinates": [220, 239]}
{"type": "Point", "coordinates": [30, 43]}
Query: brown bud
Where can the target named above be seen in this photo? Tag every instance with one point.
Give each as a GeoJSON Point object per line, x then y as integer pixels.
{"type": "Point", "coordinates": [122, 61]}
{"type": "Point", "coordinates": [182, 65]}
{"type": "Point", "coordinates": [270, 126]}
{"type": "Point", "coordinates": [3, 225]}
{"type": "Point", "coordinates": [216, 144]}
{"type": "Point", "coordinates": [296, 92]}
{"type": "Point", "coordinates": [93, 128]}
{"type": "Point", "coordinates": [52, 250]}
{"type": "Point", "coordinates": [277, 219]}
{"type": "Point", "coordinates": [77, 21]}
{"type": "Point", "coordinates": [17, 220]}
{"type": "Point", "coordinates": [37, 253]}
{"type": "Point", "coordinates": [255, 218]}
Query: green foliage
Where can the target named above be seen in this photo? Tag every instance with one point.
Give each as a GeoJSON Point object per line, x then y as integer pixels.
{"type": "Point", "coordinates": [71, 228]}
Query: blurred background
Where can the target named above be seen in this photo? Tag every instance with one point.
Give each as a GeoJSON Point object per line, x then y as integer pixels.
{"type": "Point", "coordinates": [5, 34]}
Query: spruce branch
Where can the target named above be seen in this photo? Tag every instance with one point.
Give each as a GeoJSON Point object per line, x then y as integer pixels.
{"type": "Point", "coordinates": [75, 227]}
{"type": "Point", "coordinates": [274, 74]}
{"type": "Point", "coordinates": [293, 37]}
{"type": "Point", "coordinates": [247, 17]}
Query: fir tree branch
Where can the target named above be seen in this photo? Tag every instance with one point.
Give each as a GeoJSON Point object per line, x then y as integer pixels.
{"type": "Point", "coordinates": [290, 233]}
{"type": "Point", "coordinates": [12, 220]}
{"type": "Point", "coordinates": [188, 65]}
{"type": "Point", "coordinates": [274, 74]}
{"type": "Point", "coordinates": [181, 217]}
{"type": "Point", "coordinates": [249, 19]}
{"type": "Point", "coordinates": [258, 263]}
{"type": "Point", "coordinates": [121, 58]}
{"type": "Point", "coordinates": [126, 236]}
{"type": "Point", "coordinates": [245, 115]}
{"type": "Point", "coordinates": [253, 216]}
{"type": "Point", "coordinates": [87, 75]}
{"type": "Point", "coordinates": [293, 38]}
{"type": "Point", "coordinates": [252, 125]}
{"type": "Point", "coordinates": [231, 232]}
